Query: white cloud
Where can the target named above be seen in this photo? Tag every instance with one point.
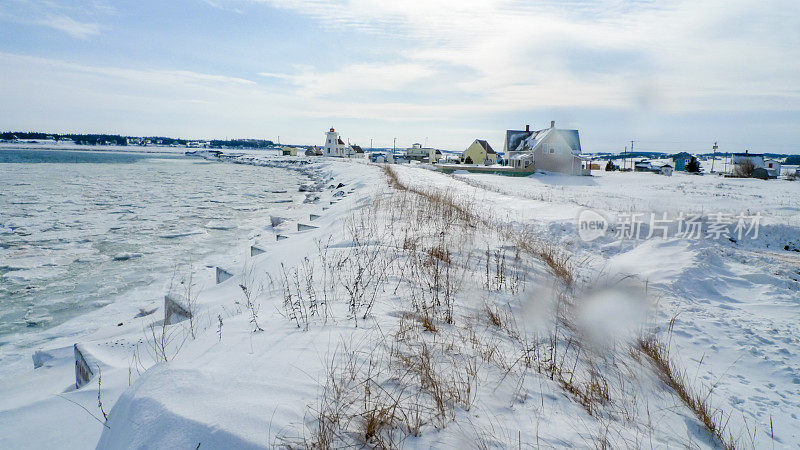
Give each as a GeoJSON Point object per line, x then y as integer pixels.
{"type": "Point", "coordinates": [74, 28]}
{"type": "Point", "coordinates": [355, 77]}
{"type": "Point", "coordinates": [677, 56]}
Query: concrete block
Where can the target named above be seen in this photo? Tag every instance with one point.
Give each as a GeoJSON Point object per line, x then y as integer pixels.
{"type": "Point", "coordinates": [223, 275]}
{"type": "Point", "coordinates": [83, 371]}
{"type": "Point", "coordinates": [175, 310]}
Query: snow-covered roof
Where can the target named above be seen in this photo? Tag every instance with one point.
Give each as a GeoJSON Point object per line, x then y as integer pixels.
{"type": "Point", "coordinates": [518, 141]}
{"type": "Point", "coordinates": [522, 156]}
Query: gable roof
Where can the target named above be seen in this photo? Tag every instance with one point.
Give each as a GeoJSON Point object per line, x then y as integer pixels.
{"type": "Point", "coordinates": [681, 155]}
{"type": "Point", "coordinates": [488, 148]}
{"type": "Point", "coordinates": [518, 141]}
{"type": "Point", "coordinates": [357, 148]}
{"type": "Point", "coordinates": [340, 141]}
{"type": "Point", "coordinates": [515, 137]}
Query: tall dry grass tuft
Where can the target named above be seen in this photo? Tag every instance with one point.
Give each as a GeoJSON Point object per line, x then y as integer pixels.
{"type": "Point", "coordinates": [714, 420]}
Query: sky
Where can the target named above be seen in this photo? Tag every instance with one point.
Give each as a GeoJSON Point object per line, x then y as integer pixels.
{"type": "Point", "coordinates": [671, 75]}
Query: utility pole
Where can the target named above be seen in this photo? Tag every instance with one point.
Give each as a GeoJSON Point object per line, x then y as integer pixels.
{"type": "Point", "coordinates": [394, 145]}
{"type": "Point", "coordinates": [726, 164]}
{"type": "Point", "coordinates": [715, 157]}
{"type": "Point", "coordinates": [625, 157]}
{"type": "Point", "coordinates": [631, 155]}
{"type": "Point", "coordinates": [370, 143]}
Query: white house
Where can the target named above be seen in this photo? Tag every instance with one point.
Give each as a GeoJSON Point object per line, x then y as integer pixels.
{"type": "Point", "coordinates": [666, 169]}
{"type": "Point", "coordinates": [334, 146]}
{"type": "Point", "coordinates": [419, 153]}
{"type": "Point", "coordinates": [643, 166]}
{"type": "Point", "coordinates": [313, 151]}
{"type": "Point", "coordinates": [354, 151]}
{"type": "Point", "coordinates": [549, 149]}
{"type": "Point", "coordinates": [740, 158]}
{"type": "Point", "coordinates": [773, 167]}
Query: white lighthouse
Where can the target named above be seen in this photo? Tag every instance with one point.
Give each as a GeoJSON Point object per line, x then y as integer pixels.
{"type": "Point", "coordinates": [334, 146]}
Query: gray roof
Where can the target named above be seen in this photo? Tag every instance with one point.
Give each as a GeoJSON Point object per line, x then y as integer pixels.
{"type": "Point", "coordinates": [488, 148]}
{"type": "Point", "coordinates": [515, 137]}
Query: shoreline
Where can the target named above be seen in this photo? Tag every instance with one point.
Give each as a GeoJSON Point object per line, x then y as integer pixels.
{"type": "Point", "coordinates": [18, 339]}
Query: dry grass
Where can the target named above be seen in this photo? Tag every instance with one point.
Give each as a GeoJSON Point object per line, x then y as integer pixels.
{"type": "Point", "coordinates": [418, 376]}
{"type": "Point", "coordinates": [558, 262]}
{"type": "Point", "coordinates": [714, 420]}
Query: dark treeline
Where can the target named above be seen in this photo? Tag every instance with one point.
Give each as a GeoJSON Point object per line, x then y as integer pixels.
{"type": "Point", "coordinates": [115, 139]}
{"type": "Point", "coordinates": [241, 143]}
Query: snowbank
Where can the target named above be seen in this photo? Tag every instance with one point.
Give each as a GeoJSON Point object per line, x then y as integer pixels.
{"type": "Point", "coordinates": [271, 350]}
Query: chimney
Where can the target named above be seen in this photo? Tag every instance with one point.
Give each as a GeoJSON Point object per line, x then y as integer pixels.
{"type": "Point", "coordinates": [552, 124]}
{"type": "Point", "coordinates": [527, 128]}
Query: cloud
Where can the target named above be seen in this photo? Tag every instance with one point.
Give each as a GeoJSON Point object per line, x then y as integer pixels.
{"type": "Point", "coordinates": [355, 77]}
{"type": "Point", "coordinates": [80, 30]}
{"type": "Point", "coordinates": [453, 67]}
{"type": "Point", "coordinates": [670, 56]}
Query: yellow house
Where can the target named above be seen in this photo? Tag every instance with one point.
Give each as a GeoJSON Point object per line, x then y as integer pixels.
{"type": "Point", "coordinates": [480, 152]}
{"type": "Point", "coordinates": [289, 151]}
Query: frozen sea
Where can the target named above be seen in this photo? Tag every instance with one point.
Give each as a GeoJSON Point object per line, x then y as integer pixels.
{"type": "Point", "coordinates": [79, 230]}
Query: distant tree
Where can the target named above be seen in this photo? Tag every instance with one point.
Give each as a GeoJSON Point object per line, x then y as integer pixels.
{"type": "Point", "coordinates": [744, 169]}
{"type": "Point", "coordinates": [693, 166]}
{"type": "Point", "coordinates": [468, 160]}
{"type": "Point", "coordinates": [610, 167]}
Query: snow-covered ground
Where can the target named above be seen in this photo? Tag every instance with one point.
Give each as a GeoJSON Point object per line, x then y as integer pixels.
{"type": "Point", "coordinates": [425, 327]}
